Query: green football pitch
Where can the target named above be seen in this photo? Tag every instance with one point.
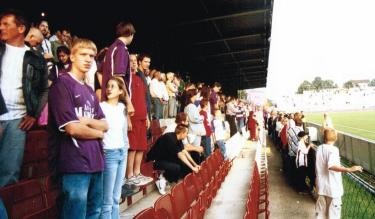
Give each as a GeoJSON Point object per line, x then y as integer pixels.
{"type": "Point", "coordinates": [360, 123]}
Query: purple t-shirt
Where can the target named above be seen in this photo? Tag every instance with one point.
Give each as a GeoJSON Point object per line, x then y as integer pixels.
{"type": "Point", "coordinates": [116, 63]}
{"type": "Point", "coordinates": [56, 71]}
{"type": "Point", "coordinates": [69, 99]}
{"type": "Point", "coordinates": [213, 101]}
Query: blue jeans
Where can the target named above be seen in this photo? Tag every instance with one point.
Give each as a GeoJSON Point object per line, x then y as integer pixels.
{"type": "Point", "coordinates": [223, 150]}
{"type": "Point", "coordinates": [172, 107]}
{"type": "Point", "coordinates": [12, 145]}
{"type": "Point", "coordinates": [240, 124]}
{"type": "Point", "coordinates": [207, 145]}
{"type": "Point", "coordinates": [113, 175]}
{"type": "Point", "coordinates": [3, 211]}
{"type": "Point", "coordinates": [158, 107]}
{"type": "Point", "coordinates": [82, 195]}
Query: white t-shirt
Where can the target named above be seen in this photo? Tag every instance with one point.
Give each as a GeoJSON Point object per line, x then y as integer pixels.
{"type": "Point", "coordinates": [90, 75]}
{"type": "Point", "coordinates": [220, 130]}
{"type": "Point", "coordinates": [301, 158]}
{"type": "Point", "coordinates": [117, 135]}
{"type": "Point", "coordinates": [328, 182]}
{"type": "Point", "coordinates": [328, 123]}
{"type": "Point", "coordinates": [279, 126]}
{"type": "Point", "coordinates": [11, 82]}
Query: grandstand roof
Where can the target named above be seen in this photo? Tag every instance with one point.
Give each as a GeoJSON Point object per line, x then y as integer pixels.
{"type": "Point", "coordinates": [209, 40]}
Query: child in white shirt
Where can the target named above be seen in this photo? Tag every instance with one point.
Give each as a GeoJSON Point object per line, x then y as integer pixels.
{"type": "Point", "coordinates": [222, 132]}
{"type": "Point", "coordinates": [328, 177]}
{"type": "Point", "coordinates": [301, 161]}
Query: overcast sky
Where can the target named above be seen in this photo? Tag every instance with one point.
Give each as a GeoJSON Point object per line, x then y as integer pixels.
{"type": "Point", "coordinates": [334, 39]}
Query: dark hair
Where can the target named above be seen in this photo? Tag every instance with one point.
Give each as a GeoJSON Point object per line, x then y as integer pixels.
{"type": "Point", "coordinates": [203, 103]}
{"type": "Point", "coordinates": [180, 129]}
{"type": "Point", "coordinates": [66, 30]}
{"type": "Point", "coordinates": [188, 85]}
{"type": "Point", "coordinates": [302, 134]}
{"type": "Point", "coordinates": [125, 29]}
{"type": "Point", "coordinates": [101, 54]}
{"type": "Point", "coordinates": [63, 49]}
{"type": "Point", "coordinates": [189, 94]}
{"type": "Point", "coordinates": [142, 56]}
{"type": "Point", "coordinates": [19, 18]}
{"type": "Point", "coordinates": [216, 84]}
{"type": "Point", "coordinates": [42, 20]}
{"type": "Point", "coordinates": [181, 117]}
{"type": "Point", "coordinates": [205, 92]}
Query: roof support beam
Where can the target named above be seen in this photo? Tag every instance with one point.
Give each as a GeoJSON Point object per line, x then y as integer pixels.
{"type": "Point", "coordinates": [230, 38]}
{"type": "Point", "coordinates": [239, 14]}
{"type": "Point", "coordinates": [242, 61]}
{"type": "Point", "coordinates": [254, 50]}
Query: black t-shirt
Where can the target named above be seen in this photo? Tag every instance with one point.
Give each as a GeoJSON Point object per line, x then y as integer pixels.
{"type": "Point", "coordinates": [166, 148]}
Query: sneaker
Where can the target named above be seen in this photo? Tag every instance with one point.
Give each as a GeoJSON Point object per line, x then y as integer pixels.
{"type": "Point", "coordinates": [143, 180]}
{"type": "Point", "coordinates": [133, 181]}
{"type": "Point", "coordinates": [161, 183]}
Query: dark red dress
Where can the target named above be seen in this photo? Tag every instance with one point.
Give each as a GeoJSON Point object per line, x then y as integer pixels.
{"type": "Point", "coordinates": [252, 125]}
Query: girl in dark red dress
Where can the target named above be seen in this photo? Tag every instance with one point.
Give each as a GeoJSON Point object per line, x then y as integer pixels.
{"type": "Point", "coordinates": [252, 125]}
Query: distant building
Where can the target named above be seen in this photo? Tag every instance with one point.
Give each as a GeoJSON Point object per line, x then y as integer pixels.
{"type": "Point", "coordinates": [360, 83]}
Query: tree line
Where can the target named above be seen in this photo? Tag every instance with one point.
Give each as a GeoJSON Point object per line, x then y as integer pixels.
{"type": "Point", "coordinates": [319, 84]}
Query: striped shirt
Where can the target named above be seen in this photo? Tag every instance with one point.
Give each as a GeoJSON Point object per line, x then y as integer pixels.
{"type": "Point", "coordinates": [293, 140]}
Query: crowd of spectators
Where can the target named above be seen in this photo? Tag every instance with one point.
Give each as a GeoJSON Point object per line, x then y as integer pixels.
{"type": "Point", "coordinates": [302, 158]}
{"type": "Point", "coordinates": [97, 108]}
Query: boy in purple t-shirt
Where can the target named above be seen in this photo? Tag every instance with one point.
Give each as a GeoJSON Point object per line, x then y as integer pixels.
{"type": "Point", "coordinates": [116, 61]}
{"type": "Point", "coordinates": [78, 125]}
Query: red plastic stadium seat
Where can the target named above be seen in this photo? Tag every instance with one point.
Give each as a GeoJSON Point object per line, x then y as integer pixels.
{"type": "Point", "coordinates": [148, 213]}
{"type": "Point", "coordinates": [47, 213]}
{"type": "Point", "coordinates": [205, 175]}
{"type": "Point", "coordinates": [163, 207]}
{"type": "Point", "coordinates": [179, 200]}
{"type": "Point", "coordinates": [190, 188]}
{"type": "Point", "coordinates": [147, 169]}
{"type": "Point", "coordinates": [156, 130]}
{"type": "Point", "coordinates": [199, 181]}
{"type": "Point", "coordinates": [36, 146]}
{"type": "Point", "coordinates": [34, 169]}
{"type": "Point", "coordinates": [22, 199]}
{"type": "Point", "coordinates": [195, 211]}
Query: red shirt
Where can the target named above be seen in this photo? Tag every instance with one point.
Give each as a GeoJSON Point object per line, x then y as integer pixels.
{"type": "Point", "coordinates": [138, 97]}
{"type": "Point", "coordinates": [206, 123]}
{"type": "Point", "coordinates": [283, 136]}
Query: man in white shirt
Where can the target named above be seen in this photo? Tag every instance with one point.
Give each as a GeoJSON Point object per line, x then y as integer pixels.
{"type": "Point", "coordinates": [172, 92]}
{"type": "Point", "coordinates": [157, 91]}
{"type": "Point", "coordinates": [24, 87]}
{"type": "Point", "coordinates": [46, 44]}
{"type": "Point", "coordinates": [328, 177]}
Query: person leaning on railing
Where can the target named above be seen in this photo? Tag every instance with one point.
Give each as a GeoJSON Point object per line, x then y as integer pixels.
{"type": "Point", "coordinates": [328, 177]}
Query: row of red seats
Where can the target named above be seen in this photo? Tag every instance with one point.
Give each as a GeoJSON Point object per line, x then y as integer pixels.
{"type": "Point", "coordinates": [257, 202]}
{"type": "Point", "coordinates": [31, 199]}
{"type": "Point", "coordinates": [190, 198]}
{"type": "Point", "coordinates": [35, 161]}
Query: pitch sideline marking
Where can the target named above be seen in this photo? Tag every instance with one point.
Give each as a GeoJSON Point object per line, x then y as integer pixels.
{"type": "Point", "coordinates": [356, 128]}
